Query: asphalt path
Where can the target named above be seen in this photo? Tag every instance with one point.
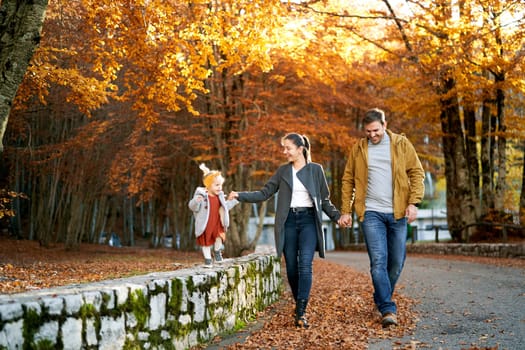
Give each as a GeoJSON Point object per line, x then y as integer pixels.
{"type": "Point", "coordinates": [461, 305]}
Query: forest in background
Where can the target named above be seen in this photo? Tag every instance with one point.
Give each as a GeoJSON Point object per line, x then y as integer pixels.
{"type": "Point", "coordinates": [123, 99]}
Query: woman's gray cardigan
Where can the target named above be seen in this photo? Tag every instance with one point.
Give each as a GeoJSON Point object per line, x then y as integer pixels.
{"type": "Point", "coordinates": [313, 178]}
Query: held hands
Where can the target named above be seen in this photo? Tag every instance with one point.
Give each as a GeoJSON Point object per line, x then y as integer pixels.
{"type": "Point", "coordinates": [345, 220]}
{"type": "Point", "coordinates": [233, 195]}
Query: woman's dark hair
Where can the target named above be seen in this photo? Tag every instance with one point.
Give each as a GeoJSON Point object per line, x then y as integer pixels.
{"type": "Point", "coordinates": [300, 141]}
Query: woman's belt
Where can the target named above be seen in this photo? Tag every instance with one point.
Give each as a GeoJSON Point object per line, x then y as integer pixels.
{"type": "Point", "coordinates": [300, 209]}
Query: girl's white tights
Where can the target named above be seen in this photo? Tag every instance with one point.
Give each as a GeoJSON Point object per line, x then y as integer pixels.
{"type": "Point", "coordinates": [218, 244]}
{"type": "Point", "coordinates": [206, 251]}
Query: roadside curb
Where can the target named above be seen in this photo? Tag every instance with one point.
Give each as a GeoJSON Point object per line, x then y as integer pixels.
{"type": "Point", "coordinates": [493, 250]}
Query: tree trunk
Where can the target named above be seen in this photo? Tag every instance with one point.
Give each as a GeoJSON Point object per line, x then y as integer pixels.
{"type": "Point", "coordinates": [522, 195]}
{"type": "Point", "coordinates": [460, 207]}
{"type": "Point", "coordinates": [16, 225]}
{"type": "Point", "coordinates": [74, 225]}
{"type": "Point", "coordinates": [236, 242]}
{"type": "Point", "coordinates": [487, 159]}
{"type": "Point", "coordinates": [20, 28]}
{"type": "Point", "coordinates": [501, 180]}
{"type": "Point", "coordinates": [260, 225]}
{"type": "Point", "coordinates": [129, 220]}
{"type": "Point", "coordinates": [471, 155]}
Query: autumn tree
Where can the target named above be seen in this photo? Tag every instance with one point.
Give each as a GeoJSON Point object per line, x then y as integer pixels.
{"type": "Point", "coordinates": [465, 63]}
{"type": "Point", "coordinates": [147, 62]}
{"type": "Point", "coordinates": [478, 69]}
{"type": "Point", "coordinates": [152, 90]}
{"type": "Point", "coordinates": [20, 26]}
{"type": "Point", "coordinates": [124, 99]}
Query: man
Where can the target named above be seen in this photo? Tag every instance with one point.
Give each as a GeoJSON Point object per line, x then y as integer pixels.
{"type": "Point", "coordinates": [383, 182]}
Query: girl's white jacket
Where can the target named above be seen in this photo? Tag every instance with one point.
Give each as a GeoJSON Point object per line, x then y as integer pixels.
{"type": "Point", "coordinates": [201, 210]}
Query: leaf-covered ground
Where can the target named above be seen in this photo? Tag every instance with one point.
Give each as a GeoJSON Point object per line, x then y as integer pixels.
{"type": "Point", "coordinates": [25, 265]}
{"type": "Point", "coordinates": [341, 310]}
{"type": "Point", "coordinates": [341, 314]}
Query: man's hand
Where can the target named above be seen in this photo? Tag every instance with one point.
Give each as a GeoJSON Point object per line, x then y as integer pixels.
{"type": "Point", "coordinates": [411, 213]}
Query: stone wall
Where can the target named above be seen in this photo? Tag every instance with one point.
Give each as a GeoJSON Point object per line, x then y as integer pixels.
{"type": "Point", "coordinates": [496, 250]}
{"type": "Point", "coordinates": [168, 310]}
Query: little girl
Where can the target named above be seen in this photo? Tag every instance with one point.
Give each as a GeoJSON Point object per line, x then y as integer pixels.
{"type": "Point", "coordinates": [210, 210]}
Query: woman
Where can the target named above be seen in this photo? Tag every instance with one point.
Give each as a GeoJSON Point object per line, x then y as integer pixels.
{"type": "Point", "coordinates": [303, 197]}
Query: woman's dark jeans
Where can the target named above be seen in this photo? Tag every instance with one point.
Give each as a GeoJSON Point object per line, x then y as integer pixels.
{"type": "Point", "coordinates": [299, 248]}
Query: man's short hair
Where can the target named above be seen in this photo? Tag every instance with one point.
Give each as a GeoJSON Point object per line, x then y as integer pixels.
{"type": "Point", "coordinates": [374, 115]}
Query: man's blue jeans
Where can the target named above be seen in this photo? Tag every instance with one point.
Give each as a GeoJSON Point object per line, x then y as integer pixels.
{"type": "Point", "coordinates": [385, 240]}
{"type": "Point", "coordinates": [300, 244]}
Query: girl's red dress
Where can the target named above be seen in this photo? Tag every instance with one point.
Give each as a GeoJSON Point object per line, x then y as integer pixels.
{"type": "Point", "coordinates": [214, 227]}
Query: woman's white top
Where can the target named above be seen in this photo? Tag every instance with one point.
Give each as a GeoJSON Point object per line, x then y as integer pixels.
{"type": "Point", "coordinates": [300, 195]}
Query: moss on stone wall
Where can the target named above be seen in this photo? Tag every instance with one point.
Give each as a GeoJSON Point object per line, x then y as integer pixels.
{"type": "Point", "coordinates": [138, 304]}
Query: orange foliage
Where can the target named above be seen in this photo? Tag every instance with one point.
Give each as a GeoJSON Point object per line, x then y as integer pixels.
{"type": "Point", "coordinates": [169, 84]}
